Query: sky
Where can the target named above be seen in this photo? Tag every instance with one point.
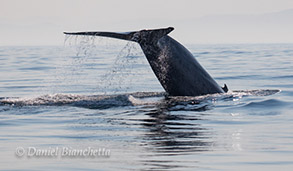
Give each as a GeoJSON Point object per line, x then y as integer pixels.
{"type": "Point", "coordinates": [42, 22]}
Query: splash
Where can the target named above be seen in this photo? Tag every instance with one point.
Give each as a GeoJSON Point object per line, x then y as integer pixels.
{"type": "Point", "coordinates": [124, 56]}
{"type": "Point", "coordinates": [160, 99]}
{"type": "Point", "coordinates": [121, 74]}
{"type": "Point", "coordinates": [83, 45]}
{"type": "Point", "coordinates": [73, 63]}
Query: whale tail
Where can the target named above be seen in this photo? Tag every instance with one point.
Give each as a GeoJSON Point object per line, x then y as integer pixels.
{"type": "Point", "coordinates": [152, 35]}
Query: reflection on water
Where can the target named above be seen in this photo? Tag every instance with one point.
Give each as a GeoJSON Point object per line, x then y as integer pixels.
{"type": "Point", "coordinates": [168, 134]}
{"type": "Point", "coordinates": [174, 134]}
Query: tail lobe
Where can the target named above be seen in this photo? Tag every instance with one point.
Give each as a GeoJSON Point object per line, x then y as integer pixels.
{"type": "Point", "coordinates": [135, 36]}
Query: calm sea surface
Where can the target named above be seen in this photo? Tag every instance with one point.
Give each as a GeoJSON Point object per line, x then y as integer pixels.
{"type": "Point", "coordinates": [103, 96]}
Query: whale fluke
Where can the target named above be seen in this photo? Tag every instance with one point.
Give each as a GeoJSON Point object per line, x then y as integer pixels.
{"type": "Point", "coordinates": [175, 67]}
{"type": "Point", "coordinates": [131, 36]}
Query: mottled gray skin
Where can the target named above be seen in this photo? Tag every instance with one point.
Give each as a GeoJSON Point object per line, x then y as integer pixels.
{"type": "Point", "coordinates": [175, 67]}
{"type": "Point", "coordinates": [177, 70]}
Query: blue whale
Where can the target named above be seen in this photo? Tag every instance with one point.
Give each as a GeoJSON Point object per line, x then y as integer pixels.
{"type": "Point", "coordinates": [175, 67]}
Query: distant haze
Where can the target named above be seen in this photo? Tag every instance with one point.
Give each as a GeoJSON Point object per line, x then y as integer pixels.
{"type": "Point", "coordinates": [41, 22]}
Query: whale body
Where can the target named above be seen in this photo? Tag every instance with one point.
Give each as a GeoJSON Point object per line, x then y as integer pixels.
{"type": "Point", "coordinates": [178, 71]}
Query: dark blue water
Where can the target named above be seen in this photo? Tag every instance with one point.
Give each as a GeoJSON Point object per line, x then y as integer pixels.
{"type": "Point", "coordinates": [104, 95]}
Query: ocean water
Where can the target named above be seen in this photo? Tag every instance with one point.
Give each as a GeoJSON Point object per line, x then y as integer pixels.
{"type": "Point", "coordinates": [99, 94]}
